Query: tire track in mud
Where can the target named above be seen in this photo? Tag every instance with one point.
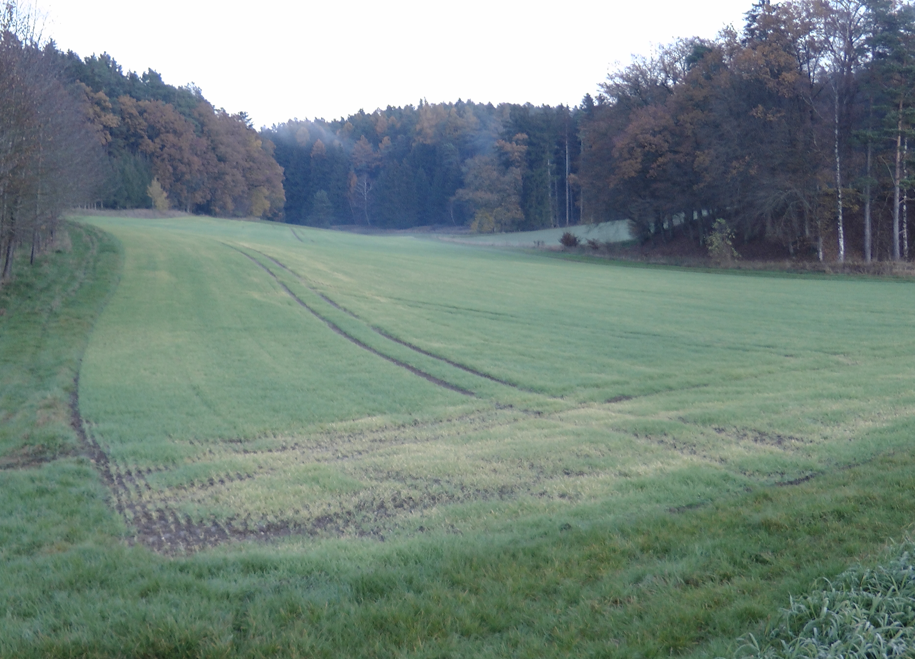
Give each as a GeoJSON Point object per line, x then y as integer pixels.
{"type": "Point", "coordinates": [405, 344]}
{"type": "Point", "coordinates": [160, 526]}
{"type": "Point", "coordinates": [336, 328]}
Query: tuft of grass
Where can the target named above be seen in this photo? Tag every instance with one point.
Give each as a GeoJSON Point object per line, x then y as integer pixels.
{"type": "Point", "coordinates": [864, 612]}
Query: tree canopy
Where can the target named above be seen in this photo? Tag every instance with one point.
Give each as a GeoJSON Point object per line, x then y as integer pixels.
{"type": "Point", "coordinates": [499, 168]}
{"type": "Point", "coordinates": [795, 130]}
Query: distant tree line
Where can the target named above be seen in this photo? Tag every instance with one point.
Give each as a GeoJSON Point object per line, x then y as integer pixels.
{"type": "Point", "coordinates": [168, 146]}
{"type": "Point", "coordinates": [793, 130]}
{"type": "Point", "coordinates": [796, 130]}
{"type": "Point", "coordinates": [497, 168]}
{"type": "Point", "coordinates": [82, 132]}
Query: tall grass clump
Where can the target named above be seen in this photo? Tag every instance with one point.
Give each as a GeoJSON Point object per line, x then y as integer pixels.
{"type": "Point", "coordinates": [865, 612]}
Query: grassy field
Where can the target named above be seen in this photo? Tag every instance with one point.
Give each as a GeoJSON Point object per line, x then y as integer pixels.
{"type": "Point", "coordinates": [606, 232]}
{"type": "Point", "coordinates": [316, 443]}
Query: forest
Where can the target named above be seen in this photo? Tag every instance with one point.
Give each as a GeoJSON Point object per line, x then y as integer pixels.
{"type": "Point", "coordinates": [795, 130]}
{"type": "Point", "coordinates": [496, 168]}
{"type": "Point", "coordinates": [792, 129]}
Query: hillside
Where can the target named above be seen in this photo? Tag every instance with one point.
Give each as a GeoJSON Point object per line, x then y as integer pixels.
{"type": "Point", "coordinates": [306, 442]}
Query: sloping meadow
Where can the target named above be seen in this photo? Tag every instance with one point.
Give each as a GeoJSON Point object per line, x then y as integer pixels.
{"type": "Point", "coordinates": [411, 434]}
{"type": "Point", "coordinates": [317, 383]}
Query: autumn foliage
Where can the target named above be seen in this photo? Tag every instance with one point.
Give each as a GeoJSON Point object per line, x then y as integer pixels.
{"type": "Point", "coordinates": [205, 160]}
{"type": "Point", "coordinates": [794, 131]}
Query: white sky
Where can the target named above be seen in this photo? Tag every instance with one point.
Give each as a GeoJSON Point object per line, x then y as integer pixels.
{"type": "Point", "coordinates": [281, 59]}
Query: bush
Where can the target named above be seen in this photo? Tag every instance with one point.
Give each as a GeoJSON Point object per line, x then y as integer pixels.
{"type": "Point", "coordinates": [721, 243]}
{"type": "Point", "coordinates": [569, 239]}
{"type": "Point", "coordinates": [158, 196]}
{"type": "Point", "coordinates": [593, 244]}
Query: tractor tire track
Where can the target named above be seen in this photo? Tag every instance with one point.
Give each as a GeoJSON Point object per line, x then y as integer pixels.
{"type": "Point", "coordinates": [412, 369]}
{"type": "Point", "coordinates": [389, 337]}
{"type": "Point", "coordinates": [159, 527]}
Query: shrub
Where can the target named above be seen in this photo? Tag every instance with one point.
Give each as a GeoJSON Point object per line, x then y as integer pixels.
{"type": "Point", "coordinates": [593, 244]}
{"type": "Point", "coordinates": [721, 243]}
{"type": "Point", "coordinates": [158, 196]}
{"type": "Point", "coordinates": [569, 239]}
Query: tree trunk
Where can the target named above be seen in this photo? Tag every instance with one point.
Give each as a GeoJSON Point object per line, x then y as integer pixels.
{"type": "Point", "coordinates": [839, 218]}
{"type": "Point", "coordinates": [905, 200]}
{"type": "Point", "coordinates": [8, 260]}
{"type": "Point", "coordinates": [868, 233]}
{"type": "Point", "coordinates": [897, 184]}
{"type": "Point", "coordinates": [366, 188]}
{"type": "Point", "coordinates": [568, 187]}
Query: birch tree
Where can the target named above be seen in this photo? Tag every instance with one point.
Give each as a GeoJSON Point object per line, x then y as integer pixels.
{"type": "Point", "coordinates": [845, 29]}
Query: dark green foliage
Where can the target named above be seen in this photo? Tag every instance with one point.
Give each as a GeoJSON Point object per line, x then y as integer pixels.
{"type": "Point", "coordinates": [129, 176]}
{"type": "Point", "coordinates": [396, 196]}
{"type": "Point", "coordinates": [322, 211]}
{"type": "Point", "coordinates": [538, 124]}
{"type": "Point", "coordinates": [419, 158]}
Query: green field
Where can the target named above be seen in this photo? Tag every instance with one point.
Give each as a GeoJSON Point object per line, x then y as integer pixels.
{"type": "Point", "coordinates": [313, 443]}
{"type": "Point", "coordinates": [606, 232]}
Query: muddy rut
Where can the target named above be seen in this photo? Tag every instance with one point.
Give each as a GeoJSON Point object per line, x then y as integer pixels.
{"type": "Point", "coordinates": [154, 518]}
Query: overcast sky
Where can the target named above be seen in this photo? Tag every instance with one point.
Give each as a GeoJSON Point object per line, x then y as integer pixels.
{"type": "Point", "coordinates": [280, 59]}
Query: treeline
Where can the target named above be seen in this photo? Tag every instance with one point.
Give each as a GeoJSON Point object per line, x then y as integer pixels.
{"type": "Point", "coordinates": [47, 156]}
{"type": "Point", "coordinates": [82, 132]}
{"type": "Point", "coordinates": [499, 168]}
{"type": "Point", "coordinates": [170, 147]}
{"type": "Point", "coordinates": [795, 130]}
